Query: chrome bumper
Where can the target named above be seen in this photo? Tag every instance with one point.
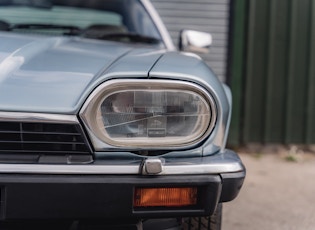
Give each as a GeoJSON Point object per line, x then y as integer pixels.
{"type": "Point", "coordinates": [226, 162]}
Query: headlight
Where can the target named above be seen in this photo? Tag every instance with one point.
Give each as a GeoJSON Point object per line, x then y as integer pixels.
{"type": "Point", "coordinates": [157, 114]}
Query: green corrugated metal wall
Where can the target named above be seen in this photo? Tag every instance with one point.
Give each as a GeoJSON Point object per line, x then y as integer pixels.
{"type": "Point", "coordinates": [273, 71]}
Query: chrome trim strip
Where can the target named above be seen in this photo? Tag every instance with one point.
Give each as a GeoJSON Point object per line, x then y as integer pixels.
{"type": "Point", "coordinates": [38, 117]}
{"type": "Point", "coordinates": [159, 24]}
{"type": "Point", "coordinates": [203, 169]}
{"type": "Point", "coordinates": [190, 169]}
{"type": "Point", "coordinates": [68, 169]}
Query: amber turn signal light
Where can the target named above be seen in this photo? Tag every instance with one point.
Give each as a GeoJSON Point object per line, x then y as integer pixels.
{"type": "Point", "coordinates": [165, 197]}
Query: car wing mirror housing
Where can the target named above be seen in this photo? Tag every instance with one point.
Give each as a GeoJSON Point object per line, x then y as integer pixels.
{"type": "Point", "coordinates": [195, 41]}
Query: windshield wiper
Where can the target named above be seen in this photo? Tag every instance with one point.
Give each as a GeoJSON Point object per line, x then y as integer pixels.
{"type": "Point", "coordinates": [72, 30]}
{"type": "Point", "coordinates": [129, 37]}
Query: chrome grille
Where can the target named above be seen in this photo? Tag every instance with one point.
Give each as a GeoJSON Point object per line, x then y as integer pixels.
{"type": "Point", "coordinates": [42, 138]}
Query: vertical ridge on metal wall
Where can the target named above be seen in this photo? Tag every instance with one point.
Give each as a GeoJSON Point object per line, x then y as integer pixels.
{"type": "Point", "coordinates": [257, 52]}
{"type": "Point", "coordinates": [276, 71]}
{"type": "Point", "coordinates": [310, 137]}
{"type": "Point", "coordinates": [298, 67]}
{"type": "Point", "coordinates": [238, 21]}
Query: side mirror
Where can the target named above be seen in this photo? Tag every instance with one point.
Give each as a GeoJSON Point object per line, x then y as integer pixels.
{"type": "Point", "coordinates": [195, 41]}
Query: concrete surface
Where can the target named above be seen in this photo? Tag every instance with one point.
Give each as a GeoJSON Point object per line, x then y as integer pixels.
{"type": "Point", "coordinates": [278, 193]}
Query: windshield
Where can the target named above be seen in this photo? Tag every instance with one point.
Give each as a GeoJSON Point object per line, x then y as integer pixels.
{"type": "Point", "coordinates": [123, 20]}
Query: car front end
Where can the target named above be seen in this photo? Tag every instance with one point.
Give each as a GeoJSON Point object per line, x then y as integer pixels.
{"type": "Point", "coordinates": [107, 132]}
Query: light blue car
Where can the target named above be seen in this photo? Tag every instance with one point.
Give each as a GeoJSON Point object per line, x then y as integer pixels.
{"type": "Point", "coordinates": [105, 124]}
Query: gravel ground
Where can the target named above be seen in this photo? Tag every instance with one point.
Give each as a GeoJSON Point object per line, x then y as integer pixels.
{"type": "Point", "coordinates": [278, 192]}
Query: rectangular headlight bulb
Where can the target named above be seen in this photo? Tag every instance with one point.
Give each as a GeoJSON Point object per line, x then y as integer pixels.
{"type": "Point", "coordinates": [165, 197]}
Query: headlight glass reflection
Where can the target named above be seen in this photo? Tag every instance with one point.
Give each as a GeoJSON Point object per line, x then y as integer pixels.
{"type": "Point", "coordinates": [153, 114]}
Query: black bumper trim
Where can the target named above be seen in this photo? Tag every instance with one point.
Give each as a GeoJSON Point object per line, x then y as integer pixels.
{"type": "Point", "coordinates": [95, 197]}
{"type": "Point", "coordinates": [232, 184]}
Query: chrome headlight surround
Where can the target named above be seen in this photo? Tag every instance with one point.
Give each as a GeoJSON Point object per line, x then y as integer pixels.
{"type": "Point", "coordinates": [109, 100]}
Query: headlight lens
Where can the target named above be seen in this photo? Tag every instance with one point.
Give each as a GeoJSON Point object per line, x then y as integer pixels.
{"type": "Point", "coordinates": [149, 113]}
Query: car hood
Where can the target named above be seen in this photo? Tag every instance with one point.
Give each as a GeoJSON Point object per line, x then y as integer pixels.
{"type": "Point", "coordinates": [40, 74]}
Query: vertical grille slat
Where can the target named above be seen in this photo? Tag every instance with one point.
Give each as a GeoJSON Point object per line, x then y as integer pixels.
{"type": "Point", "coordinates": [42, 138]}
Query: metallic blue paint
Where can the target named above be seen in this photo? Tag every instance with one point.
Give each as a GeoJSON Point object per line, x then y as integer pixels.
{"type": "Point", "coordinates": [54, 75]}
